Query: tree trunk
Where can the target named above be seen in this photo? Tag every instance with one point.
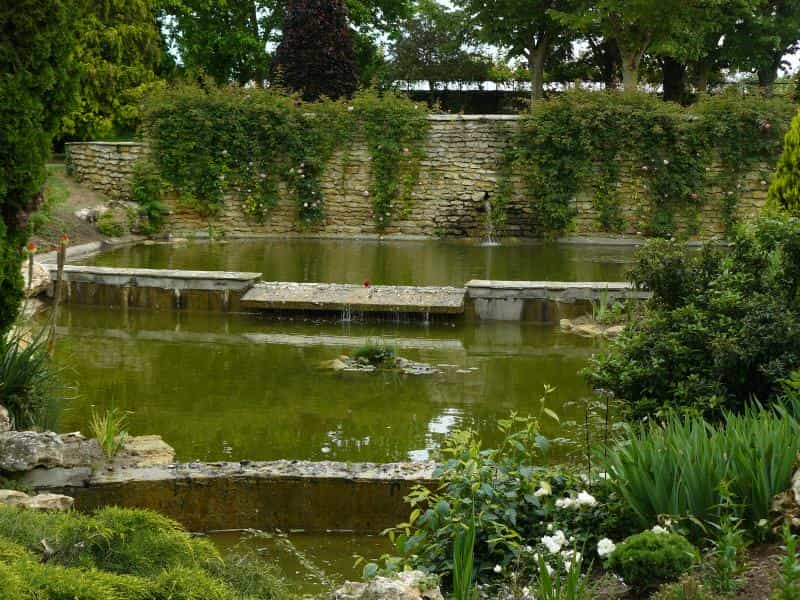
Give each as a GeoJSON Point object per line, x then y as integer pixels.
{"type": "Point", "coordinates": [536, 60]}
{"type": "Point", "coordinates": [673, 79]}
{"type": "Point", "coordinates": [702, 73]}
{"type": "Point", "coordinates": [630, 73]}
{"type": "Point", "coordinates": [767, 77]}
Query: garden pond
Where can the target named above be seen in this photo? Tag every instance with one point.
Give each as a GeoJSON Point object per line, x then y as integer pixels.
{"type": "Point", "coordinates": [240, 386]}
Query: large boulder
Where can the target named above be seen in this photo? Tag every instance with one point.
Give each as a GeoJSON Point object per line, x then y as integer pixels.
{"type": "Point", "coordinates": [40, 282]}
{"type": "Point", "coordinates": [145, 451]}
{"type": "Point", "coordinates": [409, 585]}
{"type": "Point", "coordinates": [26, 450]}
{"type": "Point", "coordinates": [5, 419]}
{"type": "Point", "coordinates": [55, 502]}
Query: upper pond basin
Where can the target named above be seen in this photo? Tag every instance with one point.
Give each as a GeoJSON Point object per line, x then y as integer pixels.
{"type": "Point", "coordinates": [382, 262]}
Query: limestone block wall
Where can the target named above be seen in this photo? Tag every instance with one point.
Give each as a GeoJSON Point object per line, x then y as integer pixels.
{"type": "Point", "coordinates": [104, 166]}
{"type": "Point", "coordinates": [464, 154]}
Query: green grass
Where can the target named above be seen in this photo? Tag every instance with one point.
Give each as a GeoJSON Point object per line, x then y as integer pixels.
{"type": "Point", "coordinates": [56, 193]}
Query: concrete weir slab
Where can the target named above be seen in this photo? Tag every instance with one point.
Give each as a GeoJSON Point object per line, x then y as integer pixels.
{"type": "Point", "coordinates": [335, 297]}
{"type": "Point", "coordinates": [544, 301]}
{"type": "Point", "coordinates": [155, 288]}
{"type": "Point", "coordinates": [312, 496]}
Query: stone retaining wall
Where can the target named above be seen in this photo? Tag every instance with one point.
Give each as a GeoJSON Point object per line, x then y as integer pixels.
{"type": "Point", "coordinates": [104, 166]}
{"type": "Point", "coordinates": [459, 173]}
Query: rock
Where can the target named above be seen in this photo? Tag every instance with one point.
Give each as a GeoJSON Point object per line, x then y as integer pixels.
{"type": "Point", "coordinates": [56, 502]}
{"type": "Point", "coordinates": [12, 497]}
{"type": "Point", "coordinates": [787, 504]}
{"type": "Point", "coordinates": [5, 419]}
{"type": "Point", "coordinates": [90, 215]}
{"type": "Point", "coordinates": [334, 365]}
{"type": "Point", "coordinates": [40, 282]}
{"type": "Point", "coordinates": [26, 450]}
{"type": "Point", "coordinates": [145, 451]}
{"type": "Point", "coordinates": [588, 327]}
{"type": "Point", "coordinates": [409, 585]}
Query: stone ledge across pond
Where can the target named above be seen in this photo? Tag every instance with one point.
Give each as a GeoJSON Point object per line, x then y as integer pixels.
{"type": "Point", "coordinates": [284, 494]}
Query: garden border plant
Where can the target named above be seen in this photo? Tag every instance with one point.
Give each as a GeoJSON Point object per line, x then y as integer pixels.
{"type": "Point", "coordinates": [680, 157]}
{"type": "Point", "coordinates": [211, 143]}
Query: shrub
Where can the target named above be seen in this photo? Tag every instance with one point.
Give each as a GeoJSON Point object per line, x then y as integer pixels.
{"type": "Point", "coordinates": [647, 560]}
{"type": "Point", "coordinates": [30, 383]}
{"type": "Point", "coordinates": [109, 430]}
{"type": "Point", "coordinates": [513, 502]}
{"type": "Point", "coordinates": [109, 226]}
{"type": "Point", "coordinates": [720, 328]}
{"type": "Point", "coordinates": [785, 188]}
{"type": "Point", "coordinates": [686, 468]}
{"type": "Point", "coordinates": [125, 554]}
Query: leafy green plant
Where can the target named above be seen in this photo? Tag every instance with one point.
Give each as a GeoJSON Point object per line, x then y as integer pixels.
{"type": "Point", "coordinates": [723, 565]}
{"type": "Point", "coordinates": [785, 188]}
{"type": "Point", "coordinates": [647, 560]}
{"type": "Point", "coordinates": [109, 226]}
{"type": "Point", "coordinates": [109, 430]}
{"type": "Point", "coordinates": [787, 587]}
{"type": "Point", "coordinates": [464, 564]}
{"type": "Point", "coordinates": [687, 588]}
{"type": "Point", "coordinates": [562, 582]}
{"type": "Point", "coordinates": [685, 468]}
{"type": "Point", "coordinates": [148, 189]}
{"type": "Point", "coordinates": [30, 383]}
{"type": "Point", "coordinates": [721, 327]}
{"type": "Point", "coordinates": [515, 504]}
{"type": "Point", "coordinates": [375, 354]}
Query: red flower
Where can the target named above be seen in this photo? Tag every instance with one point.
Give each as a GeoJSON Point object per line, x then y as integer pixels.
{"type": "Point", "coordinates": [366, 283]}
{"type": "Point", "coordinates": [65, 239]}
{"type": "Point", "coordinates": [31, 247]}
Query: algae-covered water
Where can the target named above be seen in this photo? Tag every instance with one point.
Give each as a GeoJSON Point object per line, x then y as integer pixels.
{"type": "Point", "coordinates": [230, 387]}
{"type": "Point", "coordinates": [382, 262]}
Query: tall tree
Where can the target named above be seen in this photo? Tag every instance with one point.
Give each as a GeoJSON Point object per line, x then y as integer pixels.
{"type": "Point", "coordinates": [764, 36]}
{"type": "Point", "coordinates": [433, 47]}
{"type": "Point", "coordinates": [316, 56]}
{"type": "Point", "coordinates": [233, 40]}
{"type": "Point", "coordinates": [37, 87]}
{"type": "Point", "coordinates": [635, 27]}
{"type": "Point", "coordinates": [525, 28]}
{"type": "Point", "coordinates": [119, 49]}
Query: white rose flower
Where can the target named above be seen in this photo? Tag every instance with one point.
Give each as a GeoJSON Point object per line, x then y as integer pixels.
{"type": "Point", "coordinates": [498, 569]}
{"type": "Point", "coordinates": [555, 542]}
{"type": "Point", "coordinates": [586, 499]}
{"type": "Point", "coordinates": [659, 529]}
{"type": "Point", "coordinates": [544, 489]}
{"type": "Point", "coordinates": [565, 503]}
{"type": "Point", "coordinates": [605, 547]}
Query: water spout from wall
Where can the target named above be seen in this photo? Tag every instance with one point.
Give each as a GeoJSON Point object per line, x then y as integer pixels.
{"type": "Point", "coordinates": [489, 239]}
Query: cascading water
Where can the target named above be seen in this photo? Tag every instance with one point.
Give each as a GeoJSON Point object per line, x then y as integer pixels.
{"type": "Point", "coordinates": [487, 209]}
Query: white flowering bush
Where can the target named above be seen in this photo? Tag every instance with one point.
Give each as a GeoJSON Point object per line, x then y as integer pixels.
{"type": "Point", "coordinates": [523, 512]}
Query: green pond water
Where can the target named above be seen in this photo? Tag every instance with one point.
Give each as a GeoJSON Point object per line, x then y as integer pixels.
{"type": "Point", "coordinates": [382, 262]}
{"type": "Point", "coordinates": [313, 563]}
{"type": "Point", "coordinates": [230, 387]}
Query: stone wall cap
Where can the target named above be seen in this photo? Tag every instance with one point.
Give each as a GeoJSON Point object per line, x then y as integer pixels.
{"type": "Point", "coordinates": [99, 143]}
{"type": "Point", "coordinates": [550, 285]}
{"type": "Point", "coordinates": [459, 117]}
{"type": "Point", "coordinates": [162, 273]}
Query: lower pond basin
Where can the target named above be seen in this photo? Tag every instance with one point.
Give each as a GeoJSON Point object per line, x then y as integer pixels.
{"type": "Point", "coordinates": [233, 387]}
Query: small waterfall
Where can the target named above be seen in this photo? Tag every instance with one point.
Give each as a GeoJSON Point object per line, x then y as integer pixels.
{"type": "Point", "coordinates": [347, 314]}
{"type": "Point", "coordinates": [487, 209]}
